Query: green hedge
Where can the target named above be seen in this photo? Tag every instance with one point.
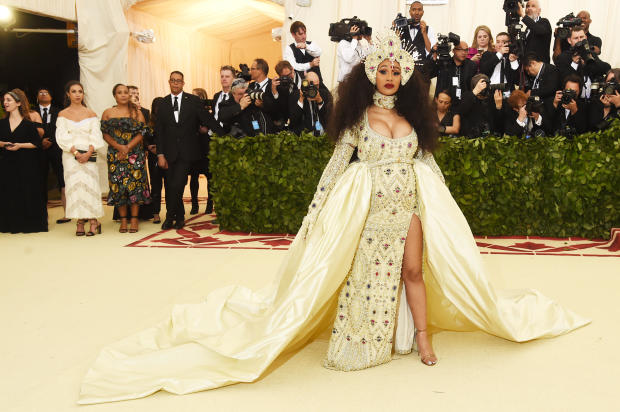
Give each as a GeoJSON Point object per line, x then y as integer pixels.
{"type": "Point", "coordinates": [550, 186]}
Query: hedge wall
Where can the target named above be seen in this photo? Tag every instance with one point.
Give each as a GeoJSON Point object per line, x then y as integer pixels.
{"type": "Point", "coordinates": [550, 186]}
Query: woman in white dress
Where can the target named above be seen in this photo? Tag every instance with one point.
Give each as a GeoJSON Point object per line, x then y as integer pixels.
{"type": "Point", "coordinates": [78, 134]}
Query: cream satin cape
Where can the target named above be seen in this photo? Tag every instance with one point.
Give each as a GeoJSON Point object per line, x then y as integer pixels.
{"type": "Point", "coordinates": [236, 333]}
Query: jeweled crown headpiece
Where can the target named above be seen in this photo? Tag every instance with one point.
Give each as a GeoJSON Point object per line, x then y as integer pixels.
{"type": "Point", "coordinates": [387, 45]}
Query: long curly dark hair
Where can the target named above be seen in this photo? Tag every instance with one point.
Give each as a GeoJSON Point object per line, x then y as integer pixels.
{"type": "Point", "coordinates": [412, 102]}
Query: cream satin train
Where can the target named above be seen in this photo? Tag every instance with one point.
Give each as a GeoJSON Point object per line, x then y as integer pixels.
{"type": "Point", "coordinates": [236, 334]}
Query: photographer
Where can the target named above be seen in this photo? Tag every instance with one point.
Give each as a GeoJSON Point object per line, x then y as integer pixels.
{"type": "Point", "coordinates": [309, 106]}
{"type": "Point", "coordinates": [418, 33]}
{"type": "Point", "coordinates": [538, 33]}
{"type": "Point", "coordinates": [500, 65]}
{"type": "Point", "coordinates": [543, 81]}
{"type": "Point", "coordinates": [240, 115]}
{"type": "Point", "coordinates": [303, 55]}
{"type": "Point", "coordinates": [581, 60]}
{"type": "Point", "coordinates": [453, 75]}
{"type": "Point", "coordinates": [480, 109]}
{"type": "Point", "coordinates": [613, 76]}
{"type": "Point", "coordinates": [350, 51]}
{"type": "Point", "coordinates": [449, 122]}
{"type": "Point", "coordinates": [602, 112]}
{"type": "Point", "coordinates": [523, 119]}
{"type": "Point", "coordinates": [276, 100]}
{"type": "Point", "coordinates": [561, 45]}
{"type": "Point", "coordinates": [570, 117]}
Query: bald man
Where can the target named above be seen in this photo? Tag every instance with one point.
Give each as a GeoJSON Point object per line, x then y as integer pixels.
{"type": "Point", "coordinates": [310, 113]}
{"type": "Point", "coordinates": [560, 46]}
{"type": "Point", "coordinates": [538, 33]}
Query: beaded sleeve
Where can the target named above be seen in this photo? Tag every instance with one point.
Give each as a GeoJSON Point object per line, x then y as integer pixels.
{"type": "Point", "coordinates": [335, 167]}
{"type": "Point", "coordinates": [428, 159]}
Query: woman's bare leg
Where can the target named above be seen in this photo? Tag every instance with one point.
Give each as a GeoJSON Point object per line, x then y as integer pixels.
{"type": "Point", "coordinates": [415, 288]}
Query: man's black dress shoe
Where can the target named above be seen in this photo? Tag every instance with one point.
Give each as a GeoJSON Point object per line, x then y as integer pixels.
{"type": "Point", "coordinates": [179, 224]}
{"type": "Point", "coordinates": [194, 209]}
{"type": "Point", "coordinates": [209, 208]}
{"type": "Point", "coordinates": [168, 224]}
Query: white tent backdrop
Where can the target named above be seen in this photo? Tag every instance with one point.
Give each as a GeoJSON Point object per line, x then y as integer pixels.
{"type": "Point", "coordinates": [198, 36]}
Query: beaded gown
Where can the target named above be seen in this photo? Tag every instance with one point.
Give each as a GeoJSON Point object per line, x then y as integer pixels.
{"type": "Point", "coordinates": [343, 276]}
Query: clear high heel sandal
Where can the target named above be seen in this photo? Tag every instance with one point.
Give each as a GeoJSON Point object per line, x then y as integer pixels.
{"type": "Point", "coordinates": [429, 359]}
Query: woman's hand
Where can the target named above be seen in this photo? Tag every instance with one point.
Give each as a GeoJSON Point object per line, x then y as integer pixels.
{"type": "Point", "coordinates": [522, 113]}
{"type": "Point", "coordinates": [476, 57]}
{"type": "Point", "coordinates": [13, 147]}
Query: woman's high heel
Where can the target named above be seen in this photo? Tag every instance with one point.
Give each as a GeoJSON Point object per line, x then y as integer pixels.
{"type": "Point", "coordinates": [97, 229]}
{"type": "Point", "coordinates": [77, 231]}
{"type": "Point", "coordinates": [123, 228]}
{"type": "Point", "coordinates": [429, 359]}
{"type": "Point", "coordinates": [134, 229]}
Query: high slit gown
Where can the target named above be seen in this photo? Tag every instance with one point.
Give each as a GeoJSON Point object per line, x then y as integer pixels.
{"type": "Point", "coordinates": [342, 273]}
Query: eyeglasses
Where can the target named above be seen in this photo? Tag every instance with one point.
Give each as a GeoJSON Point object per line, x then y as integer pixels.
{"type": "Point", "coordinates": [44, 93]}
{"type": "Point", "coordinates": [176, 81]}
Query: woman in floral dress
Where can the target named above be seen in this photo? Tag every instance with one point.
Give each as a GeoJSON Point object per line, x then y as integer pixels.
{"type": "Point", "coordinates": [123, 127]}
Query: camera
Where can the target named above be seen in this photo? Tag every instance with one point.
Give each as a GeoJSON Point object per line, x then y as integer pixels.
{"type": "Point", "coordinates": [491, 88]}
{"type": "Point", "coordinates": [401, 22]}
{"type": "Point", "coordinates": [285, 81]}
{"type": "Point", "coordinates": [443, 47]}
{"type": "Point", "coordinates": [567, 22]}
{"type": "Point", "coordinates": [309, 90]}
{"type": "Point", "coordinates": [517, 39]}
{"type": "Point", "coordinates": [244, 72]}
{"type": "Point", "coordinates": [567, 131]}
{"type": "Point", "coordinates": [256, 95]}
{"type": "Point", "coordinates": [342, 29]}
{"type": "Point", "coordinates": [611, 87]}
{"type": "Point", "coordinates": [568, 95]}
{"type": "Point", "coordinates": [583, 49]}
{"type": "Point", "coordinates": [511, 8]}
{"type": "Point", "coordinates": [534, 104]}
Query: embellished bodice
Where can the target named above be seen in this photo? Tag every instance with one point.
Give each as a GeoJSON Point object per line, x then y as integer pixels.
{"type": "Point", "coordinates": [375, 148]}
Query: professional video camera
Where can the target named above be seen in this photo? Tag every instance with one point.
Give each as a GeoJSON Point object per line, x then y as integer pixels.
{"type": "Point", "coordinates": [534, 104]}
{"type": "Point", "coordinates": [568, 95]}
{"type": "Point", "coordinates": [515, 29]}
{"type": "Point", "coordinates": [244, 72]}
{"type": "Point", "coordinates": [511, 8]}
{"type": "Point", "coordinates": [583, 49]}
{"type": "Point", "coordinates": [443, 47]}
{"type": "Point", "coordinates": [566, 23]}
{"type": "Point", "coordinates": [309, 90]}
{"type": "Point", "coordinates": [342, 29]}
{"type": "Point", "coordinates": [491, 88]}
{"type": "Point", "coordinates": [401, 22]}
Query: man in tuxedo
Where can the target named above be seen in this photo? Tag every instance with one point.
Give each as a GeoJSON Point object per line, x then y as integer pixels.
{"type": "Point", "coordinates": [570, 118]}
{"type": "Point", "coordinates": [310, 113]}
{"type": "Point", "coordinates": [303, 55]}
{"type": "Point", "coordinates": [419, 34]}
{"type": "Point", "coordinates": [544, 80]}
{"type": "Point", "coordinates": [241, 115]}
{"type": "Point", "coordinates": [500, 65]}
{"type": "Point", "coordinates": [227, 75]}
{"type": "Point", "coordinates": [179, 117]}
{"type": "Point", "coordinates": [456, 75]}
{"type": "Point", "coordinates": [277, 99]}
{"type": "Point", "coordinates": [538, 33]}
{"type": "Point", "coordinates": [572, 62]}
{"type": "Point", "coordinates": [51, 154]}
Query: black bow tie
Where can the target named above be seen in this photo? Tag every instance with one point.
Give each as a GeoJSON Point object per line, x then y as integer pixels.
{"type": "Point", "coordinates": [415, 26]}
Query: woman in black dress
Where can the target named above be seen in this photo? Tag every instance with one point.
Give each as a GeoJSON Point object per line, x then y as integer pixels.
{"type": "Point", "coordinates": [22, 208]}
{"type": "Point", "coordinates": [449, 122]}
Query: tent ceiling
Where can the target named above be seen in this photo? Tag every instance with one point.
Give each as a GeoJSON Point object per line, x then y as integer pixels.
{"type": "Point", "coordinates": [225, 19]}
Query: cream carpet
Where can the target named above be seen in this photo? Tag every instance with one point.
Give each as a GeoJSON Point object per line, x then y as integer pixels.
{"type": "Point", "coordinates": [63, 298]}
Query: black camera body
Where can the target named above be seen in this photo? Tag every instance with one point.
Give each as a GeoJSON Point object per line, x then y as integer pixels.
{"type": "Point", "coordinates": [402, 23]}
{"type": "Point", "coordinates": [285, 81]}
{"type": "Point", "coordinates": [565, 24]}
{"type": "Point", "coordinates": [583, 49]}
{"type": "Point", "coordinates": [568, 95]}
{"type": "Point", "coordinates": [491, 88]}
{"type": "Point", "coordinates": [342, 29]}
{"type": "Point", "coordinates": [444, 48]}
{"type": "Point", "coordinates": [517, 39]}
{"type": "Point", "coordinates": [611, 87]}
{"type": "Point", "coordinates": [244, 72]}
{"type": "Point", "coordinates": [534, 104]}
{"type": "Point", "coordinates": [511, 8]}
{"type": "Point", "coordinates": [309, 90]}
{"type": "Point", "coordinates": [600, 88]}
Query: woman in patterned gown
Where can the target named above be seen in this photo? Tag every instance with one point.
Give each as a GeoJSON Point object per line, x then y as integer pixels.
{"type": "Point", "coordinates": [123, 128]}
{"type": "Point", "coordinates": [383, 240]}
{"type": "Point", "coordinates": [79, 137]}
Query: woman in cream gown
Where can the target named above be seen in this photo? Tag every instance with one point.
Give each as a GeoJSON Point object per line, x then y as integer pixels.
{"type": "Point", "coordinates": [343, 269]}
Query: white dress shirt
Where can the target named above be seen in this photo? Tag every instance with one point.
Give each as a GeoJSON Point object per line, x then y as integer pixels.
{"type": "Point", "coordinates": [496, 76]}
{"type": "Point", "coordinates": [312, 49]}
{"type": "Point", "coordinates": [49, 113]}
{"type": "Point", "coordinates": [431, 37]}
{"type": "Point", "coordinates": [180, 97]}
{"type": "Point", "coordinates": [587, 83]}
{"type": "Point", "coordinates": [223, 96]}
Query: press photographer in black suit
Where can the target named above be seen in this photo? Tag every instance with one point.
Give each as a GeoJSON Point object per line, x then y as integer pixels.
{"type": "Point", "coordinates": [480, 110]}
{"type": "Point", "coordinates": [571, 112]}
{"type": "Point", "coordinates": [500, 65]}
{"type": "Point", "coordinates": [456, 75]}
{"type": "Point", "coordinates": [543, 80]}
{"type": "Point", "coordinates": [308, 109]}
{"type": "Point", "coordinates": [562, 45]}
{"type": "Point", "coordinates": [520, 122]}
{"type": "Point", "coordinates": [419, 34]}
{"type": "Point", "coordinates": [179, 118]}
{"type": "Point", "coordinates": [538, 33]}
{"type": "Point", "coordinates": [241, 116]}
{"type": "Point", "coordinates": [581, 60]}
{"type": "Point", "coordinates": [51, 154]}
{"type": "Point", "coordinates": [276, 101]}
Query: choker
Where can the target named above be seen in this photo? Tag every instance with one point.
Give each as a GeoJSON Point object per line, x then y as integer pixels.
{"type": "Point", "coordinates": [383, 101]}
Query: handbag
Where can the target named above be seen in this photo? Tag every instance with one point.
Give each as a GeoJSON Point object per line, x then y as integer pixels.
{"type": "Point", "coordinates": [92, 158]}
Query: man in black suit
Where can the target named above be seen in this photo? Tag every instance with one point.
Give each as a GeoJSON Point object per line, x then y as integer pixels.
{"type": "Point", "coordinates": [538, 33]}
{"type": "Point", "coordinates": [278, 97]}
{"type": "Point", "coordinates": [241, 116]}
{"type": "Point", "coordinates": [570, 118]}
{"type": "Point", "coordinates": [572, 62]}
{"type": "Point", "coordinates": [179, 117]}
{"type": "Point", "coordinates": [51, 154]}
{"type": "Point", "coordinates": [456, 75]}
{"type": "Point", "coordinates": [310, 113]}
{"type": "Point", "coordinates": [227, 75]}
{"type": "Point", "coordinates": [562, 45]}
{"type": "Point", "coordinates": [420, 35]}
{"type": "Point", "coordinates": [544, 80]}
{"type": "Point", "coordinates": [500, 65]}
